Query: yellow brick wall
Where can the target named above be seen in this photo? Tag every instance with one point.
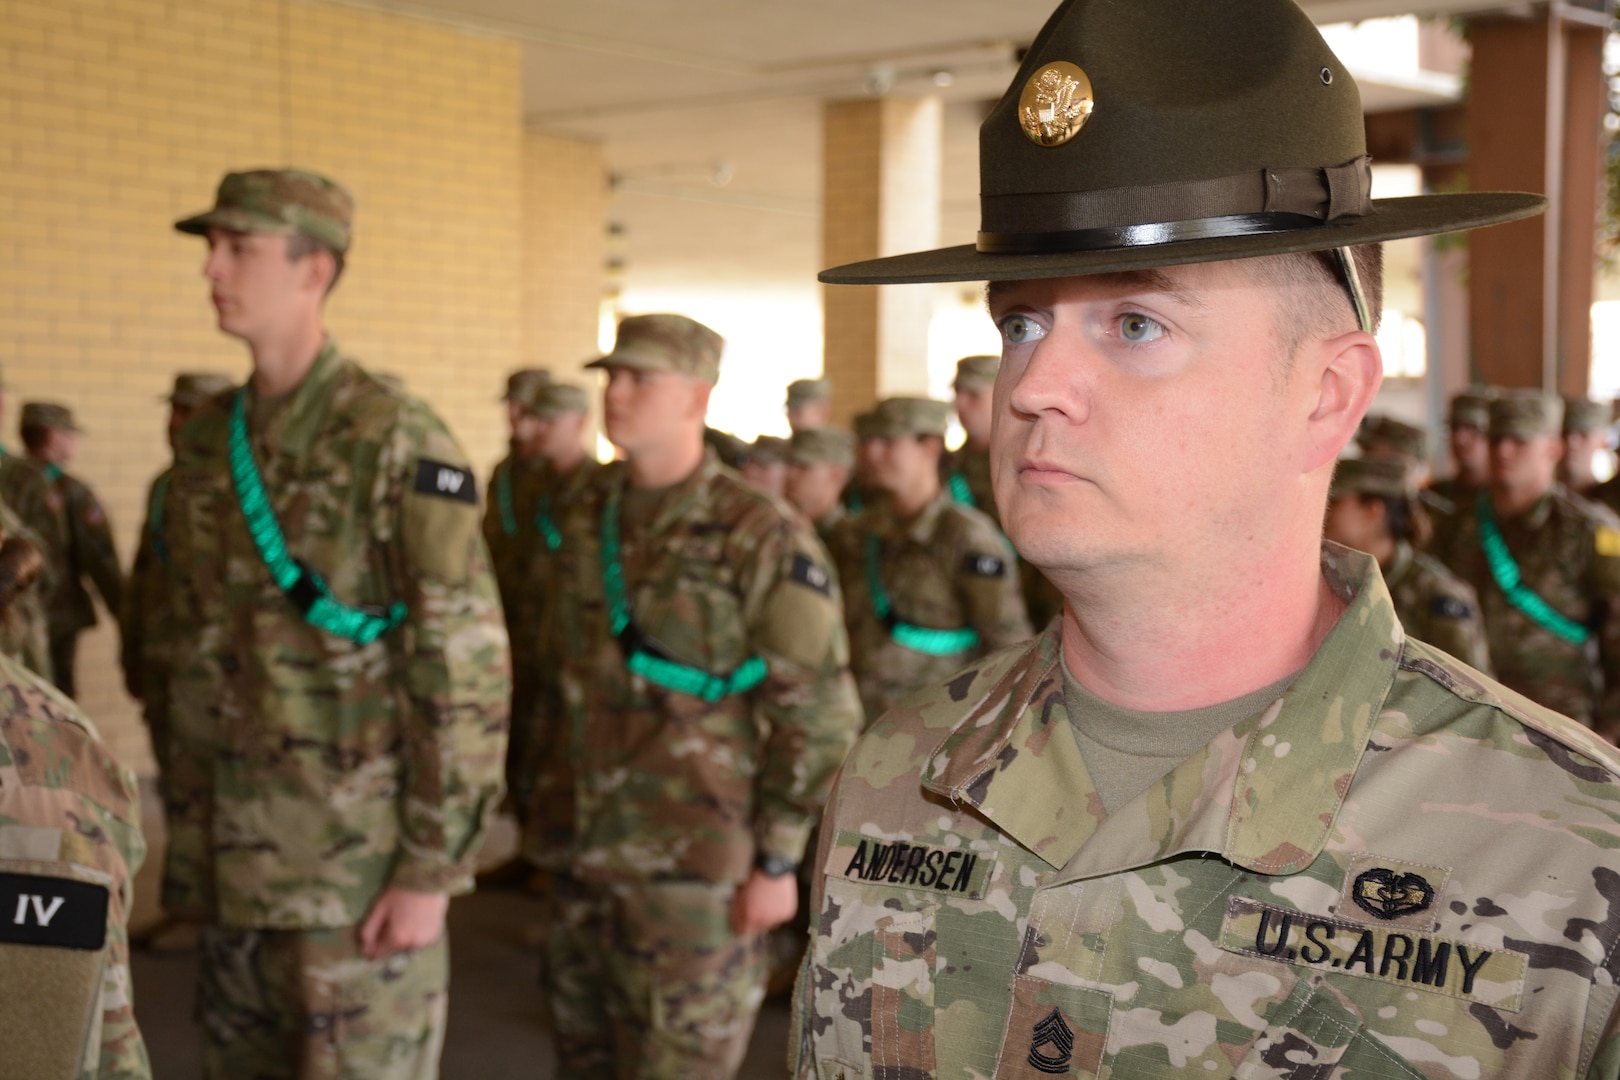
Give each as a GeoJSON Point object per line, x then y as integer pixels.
{"type": "Point", "coordinates": [565, 200]}
{"type": "Point", "coordinates": [118, 116]}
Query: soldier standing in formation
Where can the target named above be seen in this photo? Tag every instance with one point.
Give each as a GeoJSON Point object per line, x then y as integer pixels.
{"type": "Point", "coordinates": [509, 508]}
{"type": "Point", "coordinates": [339, 671]}
{"type": "Point", "coordinates": [1225, 816]}
{"type": "Point", "coordinates": [929, 584]}
{"type": "Point", "coordinates": [707, 704]}
{"type": "Point", "coordinates": [1586, 431]}
{"type": "Point", "coordinates": [820, 462]}
{"type": "Point", "coordinates": [1546, 566]}
{"type": "Point", "coordinates": [1373, 506]}
{"type": "Point", "coordinates": [809, 404]}
{"type": "Point", "coordinates": [967, 469]}
{"type": "Point", "coordinates": [765, 466]}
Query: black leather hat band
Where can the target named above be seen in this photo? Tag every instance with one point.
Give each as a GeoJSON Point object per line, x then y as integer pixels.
{"type": "Point", "coordinates": [1268, 201]}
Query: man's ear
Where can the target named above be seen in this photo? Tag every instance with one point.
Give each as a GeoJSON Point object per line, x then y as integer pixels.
{"type": "Point", "coordinates": [1346, 372]}
{"type": "Point", "coordinates": [701, 392]}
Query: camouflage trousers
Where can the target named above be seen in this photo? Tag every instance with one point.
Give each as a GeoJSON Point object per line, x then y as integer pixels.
{"type": "Point", "coordinates": [647, 981]}
{"type": "Point", "coordinates": [307, 1004]}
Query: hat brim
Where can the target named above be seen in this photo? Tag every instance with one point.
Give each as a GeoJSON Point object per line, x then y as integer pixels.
{"type": "Point", "coordinates": [637, 361]}
{"type": "Point", "coordinates": [239, 221]}
{"type": "Point", "coordinates": [1392, 219]}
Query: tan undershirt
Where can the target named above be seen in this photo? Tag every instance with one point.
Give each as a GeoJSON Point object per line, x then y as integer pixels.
{"type": "Point", "coordinates": [1125, 751]}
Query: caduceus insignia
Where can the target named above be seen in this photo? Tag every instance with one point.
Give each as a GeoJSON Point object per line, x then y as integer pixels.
{"type": "Point", "coordinates": [1056, 103]}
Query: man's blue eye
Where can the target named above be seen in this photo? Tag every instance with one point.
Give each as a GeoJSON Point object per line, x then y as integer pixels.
{"type": "Point", "coordinates": [1139, 329]}
{"type": "Point", "coordinates": [1021, 330]}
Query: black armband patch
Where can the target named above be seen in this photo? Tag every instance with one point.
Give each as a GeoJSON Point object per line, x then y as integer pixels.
{"type": "Point", "coordinates": [807, 573]}
{"type": "Point", "coordinates": [445, 481]}
{"type": "Point", "coordinates": [1449, 607]}
{"type": "Point", "coordinates": [52, 911]}
{"type": "Point", "coordinates": [984, 565]}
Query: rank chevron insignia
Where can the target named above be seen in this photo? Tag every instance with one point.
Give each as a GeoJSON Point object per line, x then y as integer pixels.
{"type": "Point", "coordinates": [1055, 1033]}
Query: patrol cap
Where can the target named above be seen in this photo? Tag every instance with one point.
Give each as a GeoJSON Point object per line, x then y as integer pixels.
{"type": "Point", "coordinates": [47, 415]}
{"type": "Point", "coordinates": [523, 380]}
{"type": "Point", "coordinates": [666, 343]}
{"type": "Point", "coordinates": [825, 446]}
{"type": "Point", "coordinates": [1526, 414]}
{"type": "Point", "coordinates": [898, 416]}
{"type": "Point", "coordinates": [193, 388]}
{"type": "Point", "coordinates": [1372, 476]}
{"type": "Point", "coordinates": [768, 450]}
{"type": "Point", "coordinates": [550, 399]}
{"type": "Point", "coordinates": [1472, 408]}
{"type": "Point", "coordinates": [279, 201]}
{"type": "Point", "coordinates": [974, 373]}
{"type": "Point", "coordinates": [801, 392]}
{"type": "Point", "coordinates": [866, 425]}
{"type": "Point", "coordinates": [1584, 414]}
{"type": "Point", "coordinates": [1385, 434]}
{"type": "Point", "coordinates": [1146, 133]}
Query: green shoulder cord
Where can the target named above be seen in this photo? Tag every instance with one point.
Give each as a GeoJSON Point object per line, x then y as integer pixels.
{"type": "Point", "coordinates": [503, 498]}
{"type": "Point", "coordinates": [154, 520]}
{"type": "Point", "coordinates": [1506, 572]}
{"type": "Point", "coordinates": [916, 638]}
{"type": "Point", "coordinates": [547, 527]}
{"type": "Point", "coordinates": [961, 492]}
{"type": "Point", "coordinates": [306, 589]}
{"type": "Point", "coordinates": [640, 655]}
{"type": "Point", "coordinates": [53, 472]}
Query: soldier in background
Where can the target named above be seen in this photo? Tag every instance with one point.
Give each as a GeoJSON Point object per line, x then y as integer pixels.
{"type": "Point", "coordinates": [809, 404]}
{"type": "Point", "coordinates": [1468, 422]}
{"type": "Point", "coordinates": [967, 469]}
{"type": "Point", "coordinates": [1546, 566]}
{"type": "Point", "coordinates": [708, 703]}
{"type": "Point", "coordinates": [70, 846]}
{"type": "Point", "coordinates": [1373, 506]}
{"type": "Point", "coordinates": [819, 465]}
{"type": "Point", "coordinates": [509, 507]}
{"type": "Point", "coordinates": [339, 679]}
{"type": "Point", "coordinates": [1587, 426]}
{"type": "Point", "coordinates": [79, 542]}
{"type": "Point", "coordinates": [929, 584]}
{"type": "Point", "coordinates": [766, 464]}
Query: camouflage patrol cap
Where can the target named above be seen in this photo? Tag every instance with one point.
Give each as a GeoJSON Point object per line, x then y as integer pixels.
{"type": "Point", "coordinates": [1472, 408]}
{"type": "Point", "coordinates": [278, 201]}
{"type": "Point", "coordinates": [768, 450]}
{"type": "Point", "coordinates": [549, 399]}
{"type": "Point", "coordinates": [522, 381]}
{"type": "Point", "coordinates": [1387, 435]}
{"type": "Point", "coordinates": [1526, 414]}
{"type": "Point", "coordinates": [1584, 414]}
{"type": "Point", "coordinates": [666, 343]}
{"type": "Point", "coordinates": [974, 373]}
{"type": "Point", "coordinates": [47, 415]}
{"type": "Point", "coordinates": [825, 446]}
{"type": "Point", "coordinates": [1372, 476]}
{"type": "Point", "coordinates": [193, 388]}
{"type": "Point", "coordinates": [866, 425]}
{"type": "Point", "coordinates": [801, 392]}
{"type": "Point", "coordinates": [897, 416]}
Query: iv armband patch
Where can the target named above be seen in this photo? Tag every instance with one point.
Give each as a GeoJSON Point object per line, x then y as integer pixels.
{"type": "Point", "coordinates": [445, 481]}
{"type": "Point", "coordinates": [51, 911]}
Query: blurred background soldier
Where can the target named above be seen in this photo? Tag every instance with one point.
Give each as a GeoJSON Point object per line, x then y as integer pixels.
{"type": "Point", "coordinates": [766, 465]}
{"type": "Point", "coordinates": [80, 543]}
{"type": "Point", "coordinates": [929, 584]}
{"type": "Point", "coordinates": [509, 507]}
{"type": "Point", "coordinates": [819, 466]}
{"type": "Point", "coordinates": [1546, 566]}
{"type": "Point", "coordinates": [1386, 438]}
{"type": "Point", "coordinates": [708, 702]}
{"type": "Point", "coordinates": [967, 469]}
{"type": "Point", "coordinates": [1587, 426]}
{"type": "Point", "coordinates": [809, 404]}
{"type": "Point", "coordinates": [70, 844]}
{"type": "Point", "coordinates": [1373, 506]}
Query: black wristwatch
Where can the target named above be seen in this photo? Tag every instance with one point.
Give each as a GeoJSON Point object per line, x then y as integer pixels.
{"type": "Point", "coordinates": [775, 865]}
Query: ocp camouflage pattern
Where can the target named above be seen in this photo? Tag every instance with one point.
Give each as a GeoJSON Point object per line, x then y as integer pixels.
{"type": "Point", "coordinates": [1399, 868]}
{"type": "Point", "coordinates": [1437, 607]}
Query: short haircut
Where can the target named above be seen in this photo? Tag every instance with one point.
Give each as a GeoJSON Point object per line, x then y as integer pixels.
{"type": "Point", "coordinates": [300, 245]}
{"type": "Point", "coordinates": [1326, 309]}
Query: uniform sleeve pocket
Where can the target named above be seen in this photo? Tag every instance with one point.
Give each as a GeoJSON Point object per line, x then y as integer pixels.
{"type": "Point", "coordinates": [1324, 1041]}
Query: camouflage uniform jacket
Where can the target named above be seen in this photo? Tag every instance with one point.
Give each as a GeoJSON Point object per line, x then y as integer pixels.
{"type": "Point", "coordinates": [948, 568]}
{"type": "Point", "coordinates": [1568, 552]}
{"type": "Point", "coordinates": [665, 785]}
{"type": "Point", "coordinates": [78, 542]}
{"type": "Point", "coordinates": [1398, 869]}
{"type": "Point", "coordinates": [143, 652]}
{"type": "Point", "coordinates": [973, 466]}
{"type": "Point", "coordinates": [67, 811]}
{"type": "Point", "coordinates": [24, 628]}
{"type": "Point", "coordinates": [509, 529]}
{"type": "Point", "coordinates": [1436, 606]}
{"type": "Point", "coordinates": [311, 772]}
{"type": "Point", "coordinates": [1449, 500]}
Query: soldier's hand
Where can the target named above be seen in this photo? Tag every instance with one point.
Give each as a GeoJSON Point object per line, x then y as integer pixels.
{"type": "Point", "coordinates": [763, 903]}
{"type": "Point", "coordinates": [400, 920]}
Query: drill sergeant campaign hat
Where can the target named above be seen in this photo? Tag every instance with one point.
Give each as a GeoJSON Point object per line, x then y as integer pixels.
{"type": "Point", "coordinates": [974, 373]}
{"type": "Point", "coordinates": [548, 399]}
{"type": "Point", "coordinates": [824, 446]}
{"type": "Point", "coordinates": [1584, 414]}
{"type": "Point", "coordinates": [1526, 414]}
{"type": "Point", "coordinates": [666, 343]}
{"type": "Point", "coordinates": [801, 392]}
{"type": "Point", "coordinates": [1387, 435]}
{"type": "Point", "coordinates": [1147, 133]}
{"type": "Point", "coordinates": [1472, 408]}
{"type": "Point", "coordinates": [897, 416]}
{"type": "Point", "coordinates": [279, 201]}
{"type": "Point", "coordinates": [194, 388]}
{"type": "Point", "coordinates": [47, 415]}
{"type": "Point", "coordinates": [1372, 476]}
{"type": "Point", "coordinates": [522, 381]}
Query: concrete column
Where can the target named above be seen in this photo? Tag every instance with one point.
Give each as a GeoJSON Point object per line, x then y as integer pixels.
{"type": "Point", "coordinates": [1537, 92]}
{"type": "Point", "coordinates": [880, 196]}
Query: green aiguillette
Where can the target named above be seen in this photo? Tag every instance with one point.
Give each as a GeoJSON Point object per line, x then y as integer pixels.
{"type": "Point", "coordinates": [916, 638]}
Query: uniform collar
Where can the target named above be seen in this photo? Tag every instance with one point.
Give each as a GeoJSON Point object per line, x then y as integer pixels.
{"type": "Point", "coordinates": [676, 501]}
{"type": "Point", "coordinates": [1264, 794]}
{"type": "Point", "coordinates": [295, 426]}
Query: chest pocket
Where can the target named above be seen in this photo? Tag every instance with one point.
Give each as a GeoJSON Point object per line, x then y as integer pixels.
{"type": "Point", "coordinates": [1313, 1037]}
{"type": "Point", "coordinates": [873, 984]}
{"type": "Point", "coordinates": [687, 611]}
